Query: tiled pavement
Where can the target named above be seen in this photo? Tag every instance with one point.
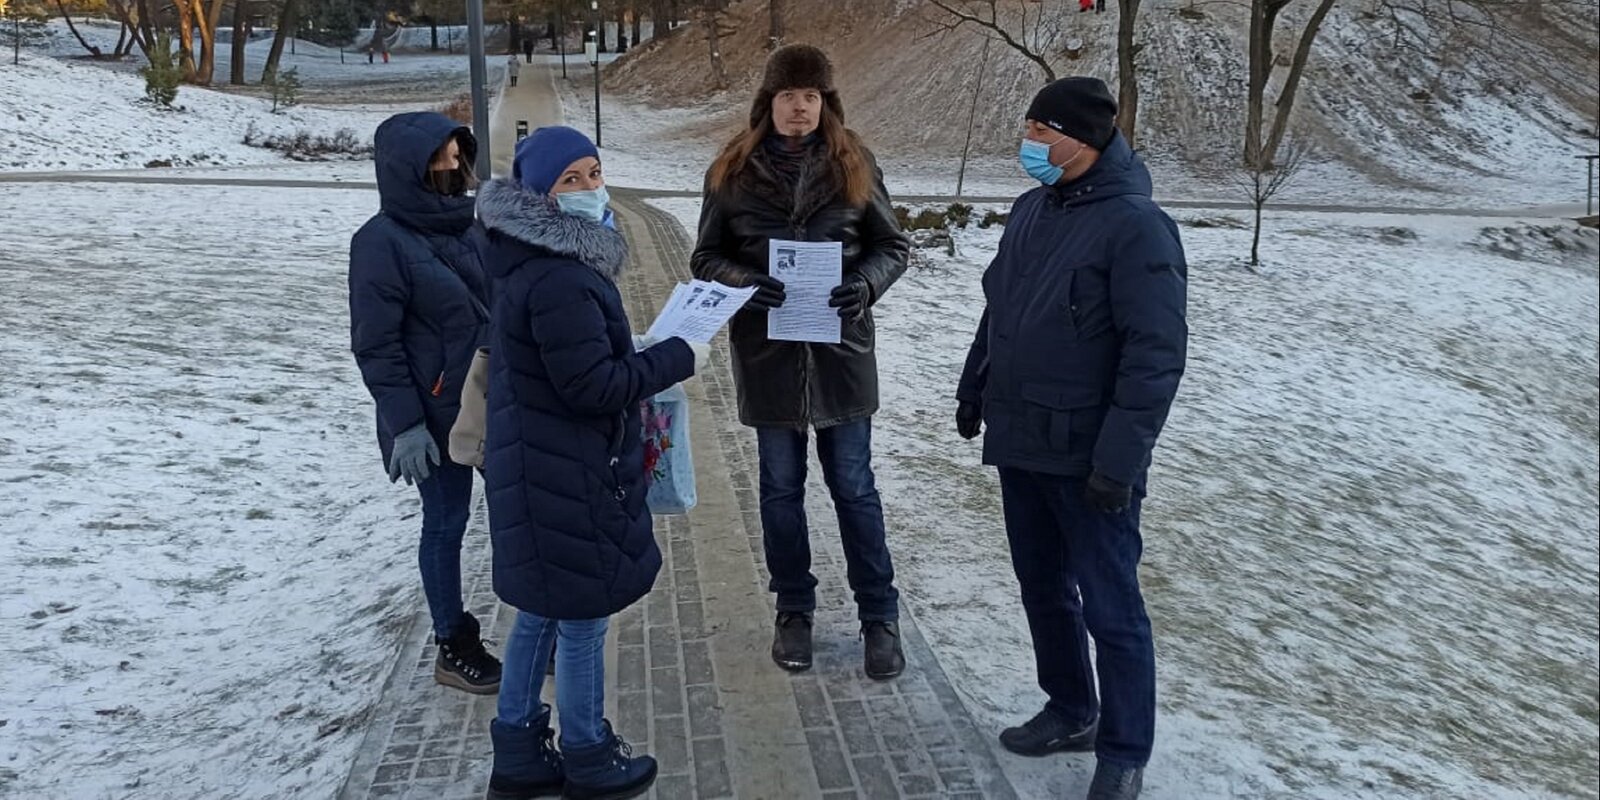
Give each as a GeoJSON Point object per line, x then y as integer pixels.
{"type": "Point", "coordinates": [689, 678]}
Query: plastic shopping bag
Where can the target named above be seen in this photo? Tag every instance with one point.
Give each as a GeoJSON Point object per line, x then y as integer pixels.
{"type": "Point", "coordinates": [668, 463]}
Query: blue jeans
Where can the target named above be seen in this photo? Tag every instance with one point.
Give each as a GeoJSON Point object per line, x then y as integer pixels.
{"type": "Point", "coordinates": [580, 675]}
{"type": "Point", "coordinates": [446, 507]}
{"type": "Point", "coordinates": [1079, 571]}
{"type": "Point", "coordinates": [846, 455]}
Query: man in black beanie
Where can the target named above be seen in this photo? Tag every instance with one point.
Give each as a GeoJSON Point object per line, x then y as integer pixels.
{"type": "Point", "coordinates": [1075, 363]}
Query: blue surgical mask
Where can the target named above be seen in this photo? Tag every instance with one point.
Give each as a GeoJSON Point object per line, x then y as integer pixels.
{"type": "Point", "coordinates": [591, 204]}
{"type": "Point", "coordinates": [1036, 161]}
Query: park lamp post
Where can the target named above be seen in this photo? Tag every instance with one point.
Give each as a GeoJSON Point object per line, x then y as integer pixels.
{"type": "Point", "coordinates": [592, 50]}
{"type": "Point", "coordinates": [479, 72]}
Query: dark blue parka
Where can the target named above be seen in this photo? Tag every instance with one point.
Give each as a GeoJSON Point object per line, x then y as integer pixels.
{"type": "Point", "coordinates": [564, 459]}
{"type": "Point", "coordinates": [418, 294]}
{"type": "Point", "coordinates": [1082, 343]}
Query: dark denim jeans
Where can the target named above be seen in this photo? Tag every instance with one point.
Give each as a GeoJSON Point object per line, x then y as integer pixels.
{"type": "Point", "coordinates": [846, 455]}
{"type": "Point", "coordinates": [1079, 571]}
{"type": "Point", "coordinates": [580, 676]}
{"type": "Point", "coordinates": [446, 507]}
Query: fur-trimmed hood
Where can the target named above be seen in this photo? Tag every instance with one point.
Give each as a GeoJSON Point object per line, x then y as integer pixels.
{"type": "Point", "coordinates": [534, 220]}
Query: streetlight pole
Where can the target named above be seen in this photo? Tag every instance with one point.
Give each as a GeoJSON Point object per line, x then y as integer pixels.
{"type": "Point", "coordinates": [479, 71]}
{"type": "Point", "coordinates": [594, 58]}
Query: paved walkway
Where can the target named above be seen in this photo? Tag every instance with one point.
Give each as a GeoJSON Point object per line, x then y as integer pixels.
{"type": "Point", "coordinates": [689, 678]}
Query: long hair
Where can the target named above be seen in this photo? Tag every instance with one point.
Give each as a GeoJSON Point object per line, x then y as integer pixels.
{"type": "Point", "coordinates": [848, 163]}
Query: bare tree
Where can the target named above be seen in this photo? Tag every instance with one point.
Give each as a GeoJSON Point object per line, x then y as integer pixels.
{"type": "Point", "coordinates": [288, 18]}
{"type": "Point", "coordinates": [775, 28]}
{"type": "Point", "coordinates": [94, 51]}
{"type": "Point", "coordinates": [713, 21]}
{"type": "Point", "coordinates": [1262, 182]}
{"type": "Point", "coordinates": [1259, 152]}
{"type": "Point", "coordinates": [1032, 30]}
{"type": "Point", "coordinates": [241, 34]}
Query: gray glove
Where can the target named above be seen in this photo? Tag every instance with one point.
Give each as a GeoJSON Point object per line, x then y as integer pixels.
{"type": "Point", "coordinates": [413, 450]}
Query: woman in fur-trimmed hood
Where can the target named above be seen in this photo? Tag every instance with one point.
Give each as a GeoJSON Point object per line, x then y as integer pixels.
{"type": "Point", "coordinates": [797, 173]}
{"type": "Point", "coordinates": [564, 461]}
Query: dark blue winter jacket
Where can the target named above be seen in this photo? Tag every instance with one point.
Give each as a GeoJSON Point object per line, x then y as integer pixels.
{"type": "Point", "coordinates": [1083, 340]}
{"type": "Point", "coordinates": [418, 295]}
{"type": "Point", "coordinates": [563, 456]}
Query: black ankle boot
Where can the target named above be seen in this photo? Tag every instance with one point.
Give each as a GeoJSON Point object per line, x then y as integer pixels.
{"type": "Point", "coordinates": [526, 764]}
{"type": "Point", "coordinates": [463, 663]}
{"type": "Point", "coordinates": [884, 658]}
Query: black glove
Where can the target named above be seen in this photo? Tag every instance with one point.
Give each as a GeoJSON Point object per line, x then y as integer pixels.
{"type": "Point", "coordinates": [1106, 495]}
{"type": "Point", "coordinates": [969, 419]}
{"type": "Point", "coordinates": [769, 293]}
{"type": "Point", "coordinates": [851, 297]}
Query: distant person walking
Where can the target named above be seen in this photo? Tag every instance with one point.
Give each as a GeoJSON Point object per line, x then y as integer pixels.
{"type": "Point", "coordinates": [1075, 363]}
{"type": "Point", "coordinates": [513, 68]}
{"type": "Point", "coordinates": [797, 173]}
{"type": "Point", "coordinates": [418, 312]}
{"type": "Point", "coordinates": [527, 49]}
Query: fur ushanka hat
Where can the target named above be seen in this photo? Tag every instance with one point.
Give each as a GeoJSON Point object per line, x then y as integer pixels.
{"type": "Point", "coordinates": [796, 66]}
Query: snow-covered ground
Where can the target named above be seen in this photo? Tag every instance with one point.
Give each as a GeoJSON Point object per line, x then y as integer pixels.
{"type": "Point", "coordinates": [207, 572]}
{"type": "Point", "coordinates": [1370, 543]}
{"type": "Point", "coordinates": [71, 116]}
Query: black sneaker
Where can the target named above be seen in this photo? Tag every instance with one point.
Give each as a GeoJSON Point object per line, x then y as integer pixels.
{"type": "Point", "coordinates": [1112, 782]}
{"type": "Point", "coordinates": [791, 641]}
{"type": "Point", "coordinates": [1050, 732]}
{"type": "Point", "coordinates": [884, 658]}
{"type": "Point", "coordinates": [464, 664]}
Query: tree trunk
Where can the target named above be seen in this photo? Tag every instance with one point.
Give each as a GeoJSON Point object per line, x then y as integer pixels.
{"type": "Point", "coordinates": [433, 26]}
{"type": "Point", "coordinates": [241, 17]}
{"type": "Point", "coordinates": [1255, 241]}
{"type": "Point", "coordinates": [599, 30]}
{"type": "Point", "coordinates": [637, 11]}
{"type": "Point", "coordinates": [719, 73]}
{"type": "Point", "coordinates": [185, 39]}
{"type": "Point", "coordinates": [286, 22]}
{"type": "Point", "coordinates": [660, 20]}
{"type": "Point", "coordinates": [1127, 75]}
{"type": "Point", "coordinates": [94, 51]}
{"type": "Point", "coordinates": [1291, 83]}
{"type": "Point", "coordinates": [775, 29]}
{"type": "Point", "coordinates": [146, 25]}
{"type": "Point", "coordinates": [622, 25]}
{"type": "Point", "coordinates": [209, 17]}
{"type": "Point", "coordinates": [122, 39]}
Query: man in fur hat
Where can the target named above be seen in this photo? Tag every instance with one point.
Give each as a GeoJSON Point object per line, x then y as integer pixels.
{"type": "Point", "coordinates": [797, 173]}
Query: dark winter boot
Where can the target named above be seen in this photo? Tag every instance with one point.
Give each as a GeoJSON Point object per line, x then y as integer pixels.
{"type": "Point", "coordinates": [884, 658]}
{"type": "Point", "coordinates": [791, 641]}
{"type": "Point", "coordinates": [1112, 782]}
{"type": "Point", "coordinates": [526, 764]}
{"type": "Point", "coordinates": [1050, 732]}
{"type": "Point", "coordinates": [607, 771]}
{"type": "Point", "coordinates": [463, 663]}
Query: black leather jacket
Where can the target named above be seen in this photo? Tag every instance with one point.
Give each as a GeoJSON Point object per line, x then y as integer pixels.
{"type": "Point", "coordinates": [797, 384]}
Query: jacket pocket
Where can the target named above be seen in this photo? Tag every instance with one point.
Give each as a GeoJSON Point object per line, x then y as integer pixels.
{"type": "Point", "coordinates": [1062, 416]}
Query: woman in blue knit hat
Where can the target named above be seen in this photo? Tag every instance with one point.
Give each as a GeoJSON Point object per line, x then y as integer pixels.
{"type": "Point", "coordinates": [564, 464]}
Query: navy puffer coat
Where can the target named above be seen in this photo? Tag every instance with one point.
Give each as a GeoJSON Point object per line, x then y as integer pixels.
{"type": "Point", "coordinates": [418, 294]}
{"type": "Point", "coordinates": [564, 459]}
{"type": "Point", "coordinates": [1083, 340]}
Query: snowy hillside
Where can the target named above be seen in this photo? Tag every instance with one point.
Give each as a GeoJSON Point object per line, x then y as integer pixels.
{"type": "Point", "coordinates": [1456, 115]}
{"type": "Point", "coordinates": [61, 115]}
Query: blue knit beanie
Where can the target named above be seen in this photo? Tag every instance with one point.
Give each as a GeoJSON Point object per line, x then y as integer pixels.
{"type": "Point", "coordinates": [546, 153]}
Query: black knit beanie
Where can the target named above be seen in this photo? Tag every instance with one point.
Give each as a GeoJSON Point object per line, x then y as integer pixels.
{"type": "Point", "coordinates": [1081, 107]}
